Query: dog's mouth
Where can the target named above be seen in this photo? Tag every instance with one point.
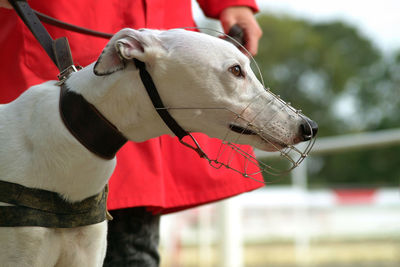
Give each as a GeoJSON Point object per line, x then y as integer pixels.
{"type": "Point", "coordinates": [241, 130]}
{"type": "Point", "coordinates": [277, 145]}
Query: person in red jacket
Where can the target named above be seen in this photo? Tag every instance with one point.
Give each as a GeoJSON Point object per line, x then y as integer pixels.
{"type": "Point", "coordinates": [154, 177]}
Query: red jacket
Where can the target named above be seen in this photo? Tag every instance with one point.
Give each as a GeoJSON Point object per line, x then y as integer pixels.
{"type": "Point", "coordinates": [161, 173]}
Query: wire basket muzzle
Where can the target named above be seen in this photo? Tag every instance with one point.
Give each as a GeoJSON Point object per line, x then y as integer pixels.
{"type": "Point", "coordinates": [267, 123]}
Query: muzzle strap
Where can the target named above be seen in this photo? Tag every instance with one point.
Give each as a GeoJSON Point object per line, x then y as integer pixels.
{"type": "Point", "coordinates": [172, 124]}
{"type": "Point", "coordinates": [157, 102]}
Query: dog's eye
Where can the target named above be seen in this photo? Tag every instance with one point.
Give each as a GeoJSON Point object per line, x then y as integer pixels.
{"type": "Point", "coordinates": [236, 70]}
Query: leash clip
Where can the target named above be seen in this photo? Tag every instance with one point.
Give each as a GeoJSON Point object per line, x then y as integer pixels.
{"type": "Point", "coordinates": [63, 75]}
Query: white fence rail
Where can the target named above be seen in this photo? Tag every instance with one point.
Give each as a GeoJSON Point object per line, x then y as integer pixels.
{"type": "Point", "coordinates": [308, 214]}
{"type": "Point", "coordinates": [299, 176]}
{"type": "Point", "coordinates": [349, 142]}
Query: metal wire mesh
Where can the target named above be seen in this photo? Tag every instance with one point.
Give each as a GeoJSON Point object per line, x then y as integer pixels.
{"type": "Point", "coordinates": [240, 158]}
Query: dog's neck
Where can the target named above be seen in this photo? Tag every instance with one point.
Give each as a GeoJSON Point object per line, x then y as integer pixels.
{"type": "Point", "coordinates": [122, 99]}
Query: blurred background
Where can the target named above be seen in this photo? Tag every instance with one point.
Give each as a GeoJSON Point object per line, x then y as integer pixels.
{"type": "Point", "coordinates": [340, 62]}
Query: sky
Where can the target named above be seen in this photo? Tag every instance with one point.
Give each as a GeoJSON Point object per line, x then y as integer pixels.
{"type": "Point", "coordinates": [378, 20]}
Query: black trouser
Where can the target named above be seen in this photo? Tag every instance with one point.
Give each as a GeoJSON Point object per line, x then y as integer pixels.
{"type": "Point", "coordinates": [133, 237]}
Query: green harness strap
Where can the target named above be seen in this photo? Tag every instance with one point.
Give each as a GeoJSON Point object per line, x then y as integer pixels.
{"type": "Point", "coordinates": [37, 207]}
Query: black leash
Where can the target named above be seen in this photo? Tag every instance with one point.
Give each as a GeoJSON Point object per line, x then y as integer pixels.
{"type": "Point", "coordinates": [70, 27]}
{"type": "Point", "coordinates": [58, 50]}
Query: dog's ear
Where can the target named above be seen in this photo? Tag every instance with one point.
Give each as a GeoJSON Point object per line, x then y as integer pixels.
{"type": "Point", "coordinates": [125, 45]}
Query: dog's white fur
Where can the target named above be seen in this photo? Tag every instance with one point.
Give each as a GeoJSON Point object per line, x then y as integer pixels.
{"type": "Point", "coordinates": [189, 69]}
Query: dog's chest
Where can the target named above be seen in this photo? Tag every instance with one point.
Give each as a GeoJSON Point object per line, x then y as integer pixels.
{"type": "Point", "coordinates": [38, 151]}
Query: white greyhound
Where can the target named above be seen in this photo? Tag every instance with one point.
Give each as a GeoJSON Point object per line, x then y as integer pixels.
{"type": "Point", "coordinates": [190, 70]}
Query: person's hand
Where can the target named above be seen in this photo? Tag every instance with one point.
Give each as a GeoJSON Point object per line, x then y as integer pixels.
{"type": "Point", "coordinates": [5, 4]}
{"type": "Point", "coordinates": [244, 17]}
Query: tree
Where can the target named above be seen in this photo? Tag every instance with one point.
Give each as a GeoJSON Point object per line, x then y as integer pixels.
{"type": "Point", "coordinates": [320, 66]}
{"type": "Point", "coordinates": [311, 64]}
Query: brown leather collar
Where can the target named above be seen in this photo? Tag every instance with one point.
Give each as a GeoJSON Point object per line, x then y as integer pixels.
{"type": "Point", "coordinates": [89, 126]}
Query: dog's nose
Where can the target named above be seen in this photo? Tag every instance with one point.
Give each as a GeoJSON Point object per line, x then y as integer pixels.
{"type": "Point", "coordinates": [308, 129]}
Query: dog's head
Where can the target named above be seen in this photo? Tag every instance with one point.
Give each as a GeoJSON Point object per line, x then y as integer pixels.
{"type": "Point", "coordinates": [208, 86]}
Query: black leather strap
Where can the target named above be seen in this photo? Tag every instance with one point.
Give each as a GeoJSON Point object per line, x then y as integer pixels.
{"type": "Point", "coordinates": [62, 53]}
{"type": "Point", "coordinates": [70, 27]}
{"type": "Point", "coordinates": [89, 126]}
{"type": "Point", "coordinates": [157, 102]}
{"type": "Point", "coordinates": [58, 50]}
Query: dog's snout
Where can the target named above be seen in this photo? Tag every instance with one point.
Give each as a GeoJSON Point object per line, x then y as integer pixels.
{"type": "Point", "coordinates": [308, 129]}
